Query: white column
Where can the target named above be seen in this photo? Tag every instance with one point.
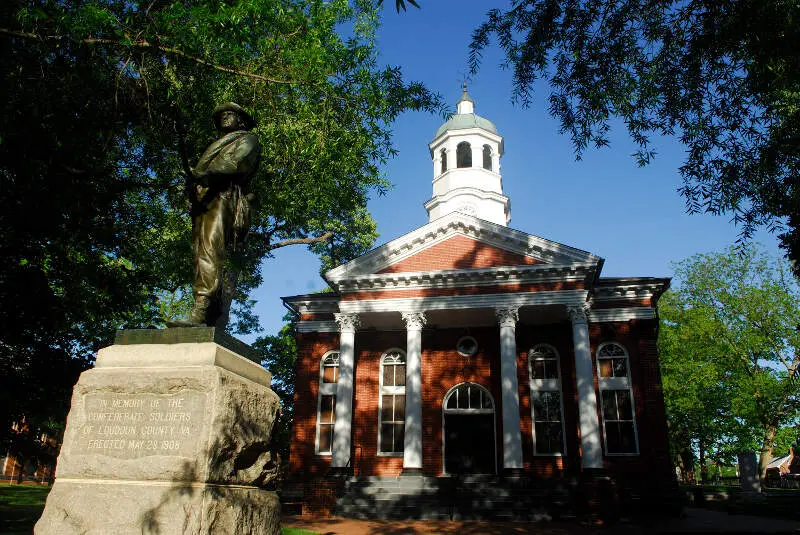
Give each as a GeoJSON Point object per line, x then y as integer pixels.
{"type": "Point", "coordinates": [412, 445]}
{"type": "Point", "coordinates": [348, 323]}
{"type": "Point", "coordinates": [591, 451]}
{"type": "Point", "coordinates": [512, 439]}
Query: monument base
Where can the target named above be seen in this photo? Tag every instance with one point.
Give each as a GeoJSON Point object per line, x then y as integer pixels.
{"type": "Point", "coordinates": [167, 438]}
{"type": "Point", "coordinates": [149, 507]}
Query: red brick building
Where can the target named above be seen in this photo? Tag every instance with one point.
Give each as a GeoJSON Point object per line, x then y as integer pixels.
{"type": "Point", "coordinates": [467, 347]}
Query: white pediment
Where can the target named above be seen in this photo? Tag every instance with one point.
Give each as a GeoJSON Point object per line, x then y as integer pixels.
{"type": "Point", "coordinates": [547, 254]}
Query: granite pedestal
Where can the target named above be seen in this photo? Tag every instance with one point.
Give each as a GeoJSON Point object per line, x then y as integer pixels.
{"type": "Point", "coordinates": [167, 438]}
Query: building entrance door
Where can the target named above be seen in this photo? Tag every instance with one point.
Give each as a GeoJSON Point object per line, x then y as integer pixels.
{"type": "Point", "coordinates": [469, 431]}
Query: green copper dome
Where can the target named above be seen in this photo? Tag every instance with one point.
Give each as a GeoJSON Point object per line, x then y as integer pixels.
{"type": "Point", "coordinates": [462, 121]}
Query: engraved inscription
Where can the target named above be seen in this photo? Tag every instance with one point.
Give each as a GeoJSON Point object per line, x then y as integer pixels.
{"type": "Point", "coordinates": [129, 426]}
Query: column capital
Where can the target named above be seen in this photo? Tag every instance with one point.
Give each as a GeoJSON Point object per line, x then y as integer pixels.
{"type": "Point", "coordinates": [507, 317]}
{"type": "Point", "coordinates": [577, 313]}
{"type": "Point", "coordinates": [414, 320]}
{"type": "Point", "coordinates": [348, 322]}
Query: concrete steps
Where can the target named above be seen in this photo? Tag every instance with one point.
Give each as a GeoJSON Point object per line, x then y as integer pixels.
{"type": "Point", "coordinates": [453, 498]}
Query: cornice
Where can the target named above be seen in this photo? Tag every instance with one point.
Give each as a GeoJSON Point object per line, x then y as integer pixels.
{"type": "Point", "coordinates": [307, 305]}
{"type": "Point", "coordinates": [462, 191]}
{"type": "Point", "coordinates": [629, 291]}
{"type": "Point", "coordinates": [462, 132]}
{"type": "Point", "coordinates": [455, 302]}
{"type": "Point", "coordinates": [621, 314]}
{"type": "Point", "coordinates": [317, 327]}
{"type": "Point", "coordinates": [457, 278]}
{"type": "Point", "coordinates": [450, 225]}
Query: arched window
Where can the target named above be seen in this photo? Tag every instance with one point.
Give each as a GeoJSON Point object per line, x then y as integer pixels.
{"type": "Point", "coordinates": [487, 157]}
{"type": "Point", "coordinates": [468, 397]}
{"type": "Point", "coordinates": [392, 410]}
{"type": "Point", "coordinates": [463, 155]}
{"type": "Point", "coordinates": [326, 403]}
{"type": "Point", "coordinates": [444, 160]}
{"type": "Point", "coordinates": [544, 370]}
{"type": "Point", "coordinates": [616, 397]}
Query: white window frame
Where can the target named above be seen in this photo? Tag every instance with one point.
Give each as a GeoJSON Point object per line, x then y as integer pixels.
{"type": "Point", "coordinates": [485, 392]}
{"type": "Point", "coordinates": [390, 391]}
{"type": "Point", "coordinates": [546, 385]}
{"type": "Point", "coordinates": [616, 383]}
{"type": "Point", "coordinates": [326, 389]}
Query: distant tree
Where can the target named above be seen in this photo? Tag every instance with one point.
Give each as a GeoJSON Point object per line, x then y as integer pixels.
{"type": "Point", "coordinates": [105, 104]}
{"type": "Point", "coordinates": [280, 356]}
{"type": "Point", "coordinates": [731, 349]}
{"type": "Point", "coordinates": [723, 76]}
{"type": "Point", "coordinates": [694, 385]}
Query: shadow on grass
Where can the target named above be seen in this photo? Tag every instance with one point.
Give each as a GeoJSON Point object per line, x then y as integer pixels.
{"type": "Point", "coordinates": [20, 507]}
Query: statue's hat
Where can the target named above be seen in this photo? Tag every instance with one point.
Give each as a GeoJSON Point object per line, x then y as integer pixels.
{"type": "Point", "coordinates": [232, 106]}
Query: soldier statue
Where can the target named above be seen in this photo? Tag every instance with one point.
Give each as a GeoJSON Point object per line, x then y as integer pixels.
{"type": "Point", "coordinates": [220, 208]}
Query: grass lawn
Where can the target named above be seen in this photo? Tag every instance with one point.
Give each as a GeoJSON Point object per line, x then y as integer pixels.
{"type": "Point", "coordinates": [22, 505]}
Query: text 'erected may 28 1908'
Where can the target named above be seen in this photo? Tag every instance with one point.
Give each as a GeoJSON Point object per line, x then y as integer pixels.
{"type": "Point", "coordinates": [139, 425]}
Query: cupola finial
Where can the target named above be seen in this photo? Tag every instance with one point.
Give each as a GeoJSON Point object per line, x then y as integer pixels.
{"type": "Point", "coordinates": [465, 103]}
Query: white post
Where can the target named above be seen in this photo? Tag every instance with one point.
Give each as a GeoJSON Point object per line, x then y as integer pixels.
{"type": "Point", "coordinates": [592, 453]}
{"type": "Point", "coordinates": [512, 439]}
{"type": "Point", "coordinates": [412, 444]}
{"type": "Point", "coordinates": [348, 323]}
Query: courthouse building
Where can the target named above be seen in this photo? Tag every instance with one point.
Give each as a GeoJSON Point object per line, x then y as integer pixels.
{"type": "Point", "coordinates": [469, 347]}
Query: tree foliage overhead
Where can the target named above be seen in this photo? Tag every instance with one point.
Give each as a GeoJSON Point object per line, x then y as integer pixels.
{"type": "Point", "coordinates": [730, 350]}
{"type": "Point", "coordinates": [721, 75]}
{"type": "Point", "coordinates": [107, 102]}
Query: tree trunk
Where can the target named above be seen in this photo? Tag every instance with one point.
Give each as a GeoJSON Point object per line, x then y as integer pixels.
{"type": "Point", "coordinates": [766, 450]}
{"type": "Point", "coordinates": [701, 443]}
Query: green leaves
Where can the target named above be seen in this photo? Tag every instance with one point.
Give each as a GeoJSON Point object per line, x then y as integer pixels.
{"type": "Point", "coordinates": [719, 76]}
{"type": "Point", "coordinates": [106, 103]}
{"type": "Point", "coordinates": [729, 350]}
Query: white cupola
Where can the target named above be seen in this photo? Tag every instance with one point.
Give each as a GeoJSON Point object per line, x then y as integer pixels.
{"type": "Point", "coordinates": [466, 154]}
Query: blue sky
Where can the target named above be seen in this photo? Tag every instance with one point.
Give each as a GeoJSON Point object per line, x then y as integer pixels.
{"type": "Point", "coordinates": [633, 217]}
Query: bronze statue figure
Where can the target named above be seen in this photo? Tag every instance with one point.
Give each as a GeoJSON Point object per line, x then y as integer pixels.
{"type": "Point", "coordinates": [220, 207]}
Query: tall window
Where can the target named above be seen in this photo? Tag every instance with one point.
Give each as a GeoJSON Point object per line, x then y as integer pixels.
{"type": "Point", "coordinates": [613, 377]}
{"type": "Point", "coordinates": [392, 412]}
{"type": "Point", "coordinates": [487, 157]}
{"type": "Point", "coordinates": [444, 160]}
{"type": "Point", "coordinates": [463, 155]}
{"type": "Point", "coordinates": [326, 404]}
{"type": "Point", "coordinates": [547, 411]}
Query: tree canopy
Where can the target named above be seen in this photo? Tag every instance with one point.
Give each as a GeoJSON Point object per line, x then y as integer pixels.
{"type": "Point", "coordinates": [730, 351]}
{"type": "Point", "coordinates": [721, 76]}
{"type": "Point", "coordinates": [106, 103]}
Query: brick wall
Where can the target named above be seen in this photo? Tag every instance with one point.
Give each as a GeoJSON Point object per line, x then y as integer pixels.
{"type": "Point", "coordinates": [443, 368]}
{"type": "Point", "coordinates": [459, 252]}
{"type": "Point", "coordinates": [303, 461]}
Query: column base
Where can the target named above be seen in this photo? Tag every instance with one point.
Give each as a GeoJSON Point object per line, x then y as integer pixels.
{"type": "Point", "coordinates": [409, 472]}
{"type": "Point", "coordinates": [339, 472]}
{"type": "Point", "coordinates": [601, 497]}
{"type": "Point", "coordinates": [513, 472]}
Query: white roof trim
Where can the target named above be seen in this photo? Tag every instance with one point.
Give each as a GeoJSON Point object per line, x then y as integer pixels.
{"type": "Point", "coordinates": [453, 224]}
{"type": "Point", "coordinates": [475, 192]}
{"type": "Point", "coordinates": [621, 314]}
{"type": "Point", "coordinates": [456, 278]}
{"type": "Point", "coordinates": [453, 302]}
{"type": "Point", "coordinates": [447, 134]}
{"type": "Point", "coordinates": [627, 291]}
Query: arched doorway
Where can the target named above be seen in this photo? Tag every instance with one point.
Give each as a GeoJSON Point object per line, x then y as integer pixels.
{"type": "Point", "coordinates": [468, 435]}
